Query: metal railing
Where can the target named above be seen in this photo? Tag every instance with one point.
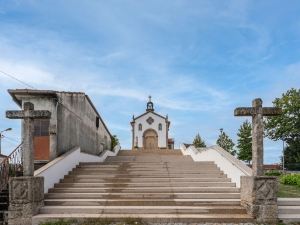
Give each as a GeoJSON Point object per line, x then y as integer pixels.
{"type": "Point", "coordinates": [12, 166]}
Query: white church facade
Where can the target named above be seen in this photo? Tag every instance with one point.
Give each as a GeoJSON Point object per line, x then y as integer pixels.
{"type": "Point", "coordinates": [151, 130]}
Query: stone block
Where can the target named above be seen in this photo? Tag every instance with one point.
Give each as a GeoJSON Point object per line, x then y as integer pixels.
{"type": "Point", "coordinates": [26, 196]}
{"type": "Point", "coordinates": [259, 197]}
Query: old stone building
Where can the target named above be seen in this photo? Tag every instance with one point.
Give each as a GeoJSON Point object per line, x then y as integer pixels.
{"type": "Point", "coordinates": [74, 122]}
{"type": "Point", "coordinates": [151, 130]}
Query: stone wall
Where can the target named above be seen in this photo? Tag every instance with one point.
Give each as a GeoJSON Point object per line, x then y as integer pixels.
{"type": "Point", "coordinates": [76, 125]}
{"type": "Point", "coordinates": [72, 123]}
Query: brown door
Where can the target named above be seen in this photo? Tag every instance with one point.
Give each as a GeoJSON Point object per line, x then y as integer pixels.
{"type": "Point", "coordinates": [150, 140]}
{"type": "Point", "coordinates": [41, 140]}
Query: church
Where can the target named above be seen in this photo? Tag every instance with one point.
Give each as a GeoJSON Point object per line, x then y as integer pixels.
{"type": "Point", "coordinates": [150, 131]}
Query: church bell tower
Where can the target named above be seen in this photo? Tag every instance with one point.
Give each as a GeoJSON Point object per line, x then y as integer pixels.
{"type": "Point", "coordinates": [150, 107]}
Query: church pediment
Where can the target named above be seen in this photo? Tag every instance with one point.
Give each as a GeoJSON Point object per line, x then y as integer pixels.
{"type": "Point", "coordinates": [146, 113]}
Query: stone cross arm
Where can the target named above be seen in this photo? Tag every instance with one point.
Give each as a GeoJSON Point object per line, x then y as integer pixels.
{"type": "Point", "coordinates": [36, 114]}
{"type": "Point", "coordinates": [28, 114]}
{"type": "Point", "coordinates": [251, 111]}
{"type": "Point", "coordinates": [257, 111]}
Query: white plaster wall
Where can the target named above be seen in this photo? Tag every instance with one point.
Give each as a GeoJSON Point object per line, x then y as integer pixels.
{"type": "Point", "coordinates": [233, 168]}
{"type": "Point", "coordinates": [61, 166]}
{"type": "Point", "coordinates": [162, 137]}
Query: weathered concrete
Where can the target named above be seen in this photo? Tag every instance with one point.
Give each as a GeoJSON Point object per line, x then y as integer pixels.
{"type": "Point", "coordinates": [28, 114]}
{"type": "Point", "coordinates": [257, 112]}
{"type": "Point", "coordinates": [26, 197]}
{"type": "Point", "coordinates": [72, 123]}
{"type": "Point", "coordinates": [259, 197]}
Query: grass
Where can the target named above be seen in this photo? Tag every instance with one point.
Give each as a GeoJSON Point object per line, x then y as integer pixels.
{"type": "Point", "coordinates": [59, 222]}
{"type": "Point", "coordinates": [288, 191]}
{"type": "Point", "coordinates": [288, 186]}
{"type": "Point", "coordinates": [126, 221]}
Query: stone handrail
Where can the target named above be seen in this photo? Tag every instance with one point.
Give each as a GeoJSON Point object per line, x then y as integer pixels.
{"type": "Point", "coordinates": [236, 162]}
{"type": "Point", "coordinates": [231, 166]}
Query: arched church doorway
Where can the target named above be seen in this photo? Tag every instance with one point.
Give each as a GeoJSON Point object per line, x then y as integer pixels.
{"type": "Point", "coordinates": [150, 139]}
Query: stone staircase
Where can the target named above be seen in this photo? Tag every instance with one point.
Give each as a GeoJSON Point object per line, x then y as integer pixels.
{"type": "Point", "coordinates": [155, 186]}
{"type": "Point", "coordinates": [289, 209]}
{"type": "Point", "coordinates": [3, 205]}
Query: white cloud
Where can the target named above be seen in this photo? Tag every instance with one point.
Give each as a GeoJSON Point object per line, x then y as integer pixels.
{"type": "Point", "coordinates": [25, 71]}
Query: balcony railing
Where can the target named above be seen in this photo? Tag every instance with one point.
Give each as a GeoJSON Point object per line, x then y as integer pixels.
{"type": "Point", "coordinates": [12, 166]}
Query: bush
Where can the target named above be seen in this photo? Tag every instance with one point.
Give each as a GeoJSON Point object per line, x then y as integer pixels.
{"type": "Point", "coordinates": [290, 179]}
{"type": "Point", "coordinates": [273, 173]}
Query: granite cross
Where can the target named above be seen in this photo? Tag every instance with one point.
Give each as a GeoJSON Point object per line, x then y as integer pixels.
{"type": "Point", "coordinates": [28, 114]}
{"type": "Point", "coordinates": [257, 112]}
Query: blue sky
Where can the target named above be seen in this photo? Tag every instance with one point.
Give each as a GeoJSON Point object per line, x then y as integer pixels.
{"type": "Point", "coordinates": [198, 59]}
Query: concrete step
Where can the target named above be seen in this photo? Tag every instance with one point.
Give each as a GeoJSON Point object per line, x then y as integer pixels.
{"type": "Point", "coordinates": [143, 195]}
{"type": "Point", "coordinates": [144, 209]}
{"type": "Point", "coordinates": [3, 198]}
{"type": "Point", "coordinates": [144, 169]}
{"type": "Point", "coordinates": [289, 218]}
{"type": "Point", "coordinates": [157, 152]}
{"type": "Point", "coordinates": [69, 179]}
{"type": "Point", "coordinates": [149, 158]}
{"type": "Point", "coordinates": [289, 209]}
{"type": "Point", "coordinates": [154, 218]}
{"type": "Point", "coordinates": [178, 166]}
{"type": "Point", "coordinates": [141, 201]}
{"type": "Point", "coordinates": [187, 163]}
{"type": "Point", "coordinates": [151, 184]}
{"type": "Point", "coordinates": [148, 173]}
{"type": "Point", "coordinates": [147, 165]}
{"type": "Point", "coordinates": [137, 190]}
{"type": "Point", "coordinates": [130, 176]}
{"type": "Point", "coordinates": [289, 201]}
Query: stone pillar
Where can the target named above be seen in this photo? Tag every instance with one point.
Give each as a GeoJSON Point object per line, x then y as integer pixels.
{"type": "Point", "coordinates": [26, 196]}
{"type": "Point", "coordinates": [257, 139]}
{"type": "Point", "coordinates": [28, 157]}
{"type": "Point", "coordinates": [259, 197]}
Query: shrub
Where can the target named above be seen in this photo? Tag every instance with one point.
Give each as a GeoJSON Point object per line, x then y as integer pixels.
{"type": "Point", "coordinates": [290, 179]}
{"type": "Point", "coordinates": [273, 173]}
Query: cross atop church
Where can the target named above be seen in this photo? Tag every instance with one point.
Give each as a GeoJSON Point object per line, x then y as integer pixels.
{"type": "Point", "coordinates": [28, 114]}
{"type": "Point", "coordinates": [257, 112]}
{"type": "Point", "coordinates": [150, 105]}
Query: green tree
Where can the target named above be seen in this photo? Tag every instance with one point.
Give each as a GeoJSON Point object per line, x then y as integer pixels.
{"type": "Point", "coordinates": [114, 141]}
{"type": "Point", "coordinates": [198, 142]}
{"type": "Point", "coordinates": [292, 156]}
{"type": "Point", "coordinates": [225, 142]}
{"type": "Point", "coordinates": [286, 126]}
{"type": "Point", "coordinates": [244, 142]}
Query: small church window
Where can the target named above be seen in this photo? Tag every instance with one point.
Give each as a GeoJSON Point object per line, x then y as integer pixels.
{"type": "Point", "coordinates": [160, 126]}
{"type": "Point", "coordinates": [140, 127]}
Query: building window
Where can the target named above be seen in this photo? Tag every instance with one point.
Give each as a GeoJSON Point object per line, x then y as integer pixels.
{"type": "Point", "coordinates": [160, 126]}
{"type": "Point", "coordinates": [140, 127]}
{"type": "Point", "coordinates": [97, 121]}
{"type": "Point", "coordinates": [41, 127]}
